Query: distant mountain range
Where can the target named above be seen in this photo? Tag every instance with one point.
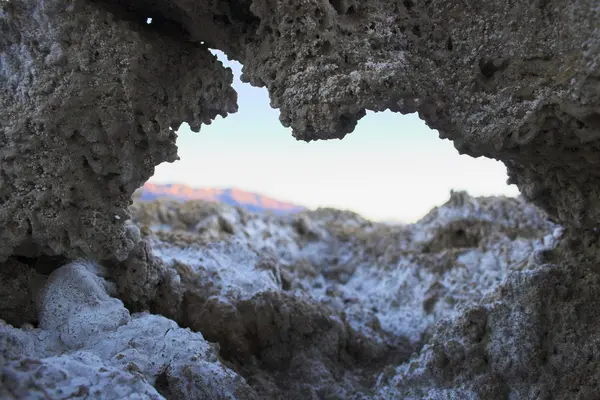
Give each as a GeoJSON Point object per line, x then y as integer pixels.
{"type": "Point", "coordinates": [249, 201]}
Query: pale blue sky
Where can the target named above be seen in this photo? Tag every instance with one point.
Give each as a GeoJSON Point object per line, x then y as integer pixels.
{"type": "Point", "coordinates": [391, 167]}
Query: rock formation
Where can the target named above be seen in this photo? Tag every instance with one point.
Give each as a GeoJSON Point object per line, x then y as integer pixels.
{"type": "Point", "coordinates": [516, 81]}
{"type": "Point", "coordinates": [323, 304]}
{"type": "Point", "coordinates": [89, 346]}
{"type": "Point", "coordinates": [89, 99]}
{"type": "Point", "coordinates": [483, 298]}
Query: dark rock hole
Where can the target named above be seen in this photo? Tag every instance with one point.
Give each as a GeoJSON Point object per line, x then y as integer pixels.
{"type": "Point", "coordinates": [489, 67]}
{"type": "Point", "coordinates": [593, 120]}
{"type": "Point", "coordinates": [162, 385]}
{"type": "Point", "coordinates": [416, 30]}
{"type": "Point", "coordinates": [224, 19]}
{"type": "Point", "coordinates": [43, 264]}
{"type": "Point", "coordinates": [338, 5]}
{"type": "Point", "coordinates": [144, 14]}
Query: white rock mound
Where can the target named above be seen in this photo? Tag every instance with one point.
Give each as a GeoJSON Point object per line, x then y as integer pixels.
{"type": "Point", "coordinates": [89, 346]}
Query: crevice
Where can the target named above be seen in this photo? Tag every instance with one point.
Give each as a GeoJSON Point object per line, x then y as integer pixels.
{"type": "Point", "coordinates": [343, 6]}
{"type": "Point", "coordinates": [592, 120]}
{"type": "Point", "coordinates": [416, 30]}
{"type": "Point", "coordinates": [489, 67]}
{"type": "Point", "coordinates": [223, 19]}
{"type": "Point", "coordinates": [162, 384]}
{"type": "Point", "coordinates": [147, 17]}
{"type": "Point", "coordinates": [43, 264]}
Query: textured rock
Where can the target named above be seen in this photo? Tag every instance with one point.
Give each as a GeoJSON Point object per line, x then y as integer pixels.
{"type": "Point", "coordinates": [516, 81]}
{"type": "Point", "coordinates": [88, 345]}
{"type": "Point", "coordinates": [318, 304]}
{"type": "Point", "coordinates": [485, 294]}
{"type": "Point", "coordinates": [483, 298]}
{"type": "Point", "coordinates": [88, 100]}
{"type": "Point", "coordinates": [145, 283]}
{"type": "Point", "coordinates": [18, 286]}
{"type": "Point", "coordinates": [536, 337]}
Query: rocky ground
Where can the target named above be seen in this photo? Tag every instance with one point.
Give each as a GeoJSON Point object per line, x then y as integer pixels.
{"type": "Point", "coordinates": [481, 299]}
{"type": "Point", "coordinates": [476, 300]}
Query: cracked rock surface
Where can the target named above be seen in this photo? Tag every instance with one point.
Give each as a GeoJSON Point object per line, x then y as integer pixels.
{"type": "Point", "coordinates": [322, 304]}
{"type": "Point", "coordinates": [326, 304]}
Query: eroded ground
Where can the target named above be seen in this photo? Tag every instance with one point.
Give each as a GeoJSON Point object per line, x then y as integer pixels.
{"type": "Point", "coordinates": [471, 301]}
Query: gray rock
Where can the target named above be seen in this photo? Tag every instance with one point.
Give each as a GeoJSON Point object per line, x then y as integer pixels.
{"type": "Point", "coordinates": [88, 100]}
{"type": "Point", "coordinates": [491, 301]}
{"type": "Point", "coordinates": [319, 304]}
{"type": "Point", "coordinates": [89, 346]}
{"type": "Point", "coordinates": [517, 82]}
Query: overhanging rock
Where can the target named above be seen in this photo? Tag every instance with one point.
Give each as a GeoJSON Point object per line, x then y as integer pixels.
{"type": "Point", "coordinates": [517, 81]}
{"type": "Point", "coordinates": [88, 100]}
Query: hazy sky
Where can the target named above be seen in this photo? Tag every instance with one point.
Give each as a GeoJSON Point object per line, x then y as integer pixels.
{"type": "Point", "coordinates": [391, 167]}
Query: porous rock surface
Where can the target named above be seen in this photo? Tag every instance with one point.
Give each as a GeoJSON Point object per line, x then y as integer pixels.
{"type": "Point", "coordinates": [517, 81]}
{"type": "Point", "coordinates": [88, 100]}
{"type": "Point", "coordinates": [322, 304]}
{"type": "Point", "coordinates": [88, 345]}
{"type": "Point", "coordinates": [482, 299]}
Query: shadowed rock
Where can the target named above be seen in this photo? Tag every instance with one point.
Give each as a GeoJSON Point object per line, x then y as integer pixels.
{"type": "Point", "coordinates": [88, 100]}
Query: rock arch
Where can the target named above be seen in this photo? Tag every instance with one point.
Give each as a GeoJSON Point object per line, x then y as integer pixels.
{"type": "Point", "coordinates": [90, 94]}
